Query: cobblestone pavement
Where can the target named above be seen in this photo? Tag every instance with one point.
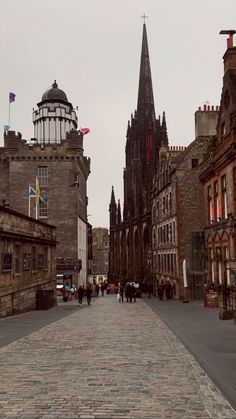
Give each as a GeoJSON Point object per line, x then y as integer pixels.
{"type": "Point", "coordinates": [110, 360]}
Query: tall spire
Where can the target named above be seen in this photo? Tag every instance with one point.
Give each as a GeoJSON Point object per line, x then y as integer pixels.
{"type": "Point", "coordinates": [113, 208]}
{"type": "Point", "coordinates": [145, 106]}
{"type": "Point", "coordinates": [118, 212]}
{"type": "Point", "coordinates": [113, 200]}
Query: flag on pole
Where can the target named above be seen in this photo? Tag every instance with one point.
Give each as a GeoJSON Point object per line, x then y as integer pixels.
{"type": "Point", "coordinates": [32, 191]}
{"type": "Point", "coordinates": [85, 130]}
{"type": "Point", "coordinates": [37, 189]}
{"type": "Point", "coordinates": [12, 97]}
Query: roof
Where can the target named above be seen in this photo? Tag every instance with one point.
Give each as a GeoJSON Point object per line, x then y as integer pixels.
{"type": "Point", "coordinates": [53, 93]}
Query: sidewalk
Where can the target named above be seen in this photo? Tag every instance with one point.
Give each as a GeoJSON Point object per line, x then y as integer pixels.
{"type": "Point", "coordinates": [210, 340]}
{"type": "Point", "coordinates": [110, 360]}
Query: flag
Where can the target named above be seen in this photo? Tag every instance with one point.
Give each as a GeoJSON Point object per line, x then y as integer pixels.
{"type": "Point", "coordinates": [12, 97]}
{"type": "Point", "coordinates": [42, 200]}
{"type": "Point", "coordinates": [32, 191]}
{"type": "Point", "coordinates": [6, 128]}
{"type": "Point", "coordinates": [85, 131]}
{"type": "Point", "coordinates": [37, 190]}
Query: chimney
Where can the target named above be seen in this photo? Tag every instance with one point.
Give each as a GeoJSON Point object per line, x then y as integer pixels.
{"type": "Point", "coordinates": [230, 54]}
{"type": "Point", "coordinates": [206, 121]}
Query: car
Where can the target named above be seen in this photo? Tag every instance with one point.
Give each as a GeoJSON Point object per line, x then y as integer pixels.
{"type": "Point", "coordinates": [112, 288]}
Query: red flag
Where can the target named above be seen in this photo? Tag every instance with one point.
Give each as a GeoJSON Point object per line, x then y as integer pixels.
{"type": "Point", "coordinates": [85, 130]}
{"type": "Point", "coordinates": [149, 145]}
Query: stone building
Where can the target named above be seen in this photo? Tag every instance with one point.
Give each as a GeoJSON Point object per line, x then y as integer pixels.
{"type": "Point", "coordinates": [130, 236]}
{"type": "Point", "coordinates": [100, 253]}
{"type": "Point", "coordinates": [55, 156]}
{"type": "Point", "coordinates": [218, 176]}
{"type": "Point", "coordinates": [177, 210]}
{"type": "Point", "coordinates": [27, 261]}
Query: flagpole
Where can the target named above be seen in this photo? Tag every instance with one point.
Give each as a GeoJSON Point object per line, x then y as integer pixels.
{"type": "Point", "coordinates": [29, 207]}
{"type": "Point", "coordinates": [9, 113]}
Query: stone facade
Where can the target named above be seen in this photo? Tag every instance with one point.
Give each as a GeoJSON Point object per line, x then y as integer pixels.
{"type": "Point", "coordinates": [177, 210]}
{"type": "Point", "coordinates": [218, 176]}
{"type": "Point", "coordinates": [100, 251]}
{"type": "Point", "coordinates": [27, 261]}
{"type": "Point", "coordinates": [62, 171]}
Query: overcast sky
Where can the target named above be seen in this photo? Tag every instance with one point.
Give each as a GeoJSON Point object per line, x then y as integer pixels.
{"type": "Point", "coordinates": [92, 48]}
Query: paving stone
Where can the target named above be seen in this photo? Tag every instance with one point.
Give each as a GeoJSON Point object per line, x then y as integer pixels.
{"type": "Point", "coordinates": [106, 361]}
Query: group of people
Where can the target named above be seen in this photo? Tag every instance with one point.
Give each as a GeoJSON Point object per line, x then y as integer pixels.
{"type": "Point", "coordinates": [164, 289]}
{"type": "Point", "coordinates": [129, 290]}
{"type": "Point", "coordinates": [91, 290]}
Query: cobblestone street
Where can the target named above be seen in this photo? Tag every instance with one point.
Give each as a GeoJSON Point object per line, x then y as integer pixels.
{"type": "Point", "coordinates": [110, 360]}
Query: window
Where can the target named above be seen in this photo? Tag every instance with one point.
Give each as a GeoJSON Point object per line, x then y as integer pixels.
{"type": "Point", "coordinates": [46, 258]}
{"type": "Point", "coordinates": [223, 210]}
{"type": "Point", "coordinates": [209, 205]}
{"type": "Point", "coordinates": [43, 176]}
{"type": "Point", "coordinates": [194, 163]}
{"type": "Point", "coordinates": [170, 201]}
{"type": "Point", "coordinates": [215, 209]}
{"type": "Point", "coordinates": [163, 205]}
{"type": "Point", "coordinates": [6, 262]}
{"type": "Point", "coordinates": [33, 258]}
{"type": "Point", "coordinates": [167, 204]}
{"type": "Point", "coordinates": [17, 258]}
{"type": "Point", "coordinates": [43, 208]}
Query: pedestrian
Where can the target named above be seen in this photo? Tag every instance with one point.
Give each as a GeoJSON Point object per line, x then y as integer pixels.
{"type": "Point", "coordinates": [133, 293]}
{"type": "Point", "coordinates": [89, 294]}
{"type": "Point", "coordinates": [168, 290]}
{"type": "Point", "coordinates": [128, 292]}
{"type": "Point", "coordinates": [121, 293]}
{"type": "Point", "coordinates": [64, 294]}
{"type": "Point", "coordinates": [149, 290]}
{"type": "Point", "coordinates": [102, 289]}
{"type": "Point", "coordinates": [97, 289]}
{"type": "Point", "coordinates": [80, 293]}
{"type": "Point", "coordinates": [160, 290]}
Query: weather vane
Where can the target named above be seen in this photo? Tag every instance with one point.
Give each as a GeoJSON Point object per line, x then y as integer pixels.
{"type": "Point", "coordinates": [144, 17]}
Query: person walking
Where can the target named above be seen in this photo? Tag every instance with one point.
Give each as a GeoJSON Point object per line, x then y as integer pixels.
{"type": "Point", "coordinates": [102, 289]}
{"type": "Point", "coordinates": [168, 290]}
{"type": "Point", "coordinates": [97, 290]}
{"type": "Point", "coordinates": [89, 294]}
{"type": "Point", "coordinates": [133, 293]}
{"type": "Point", "coordinates": [121, 293]}
{"type": "Point", "coordinates": [80, 293]}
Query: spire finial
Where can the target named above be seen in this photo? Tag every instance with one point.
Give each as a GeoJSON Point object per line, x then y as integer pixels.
{"type": "Point", "coordinates": [55, 85]}
{"type": "Point", "coordinates": [144, 17]}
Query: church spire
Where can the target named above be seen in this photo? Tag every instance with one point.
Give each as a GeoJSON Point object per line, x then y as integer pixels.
{"type": "Point", "coordinates": [113, 208]}
{"type": "Point", "coordinates": [118, 212]}
{"type": "Point", "coordinates": [145, 106]}
{"type": "Point", "coordinates": [164, 139]}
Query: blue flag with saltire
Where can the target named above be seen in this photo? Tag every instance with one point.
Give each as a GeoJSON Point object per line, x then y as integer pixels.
{"type": "Point", "coordinates": [32, 191]}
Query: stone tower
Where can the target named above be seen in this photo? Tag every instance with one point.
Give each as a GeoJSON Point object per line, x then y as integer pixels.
{"type": "Point", "coordinates": [56, 157]}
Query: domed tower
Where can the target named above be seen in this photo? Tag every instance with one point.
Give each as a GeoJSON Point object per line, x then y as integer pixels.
{"type": "Point", "coordinates": [54, 117]}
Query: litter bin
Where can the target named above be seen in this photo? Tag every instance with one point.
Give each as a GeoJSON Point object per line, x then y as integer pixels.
{"type": "Point", "coordinates": [44, 299]}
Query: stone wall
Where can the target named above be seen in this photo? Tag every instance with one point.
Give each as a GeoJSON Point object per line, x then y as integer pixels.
{"type": "Point", "coordinates": [27, 261]}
